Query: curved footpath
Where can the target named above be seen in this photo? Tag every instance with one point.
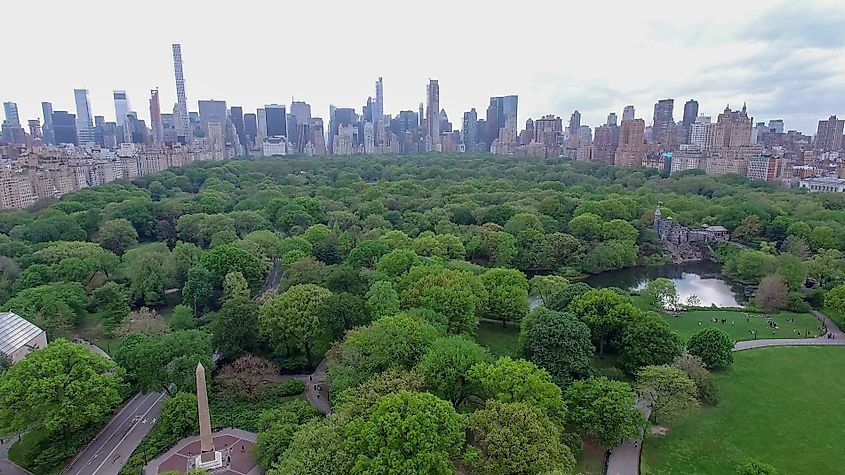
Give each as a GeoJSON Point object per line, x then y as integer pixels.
{"type": "Point", "coordinates": [625, 458]}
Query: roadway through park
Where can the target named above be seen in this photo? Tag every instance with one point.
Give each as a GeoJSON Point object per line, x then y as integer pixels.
{"type": "Point", "coordinates": [625, 458]}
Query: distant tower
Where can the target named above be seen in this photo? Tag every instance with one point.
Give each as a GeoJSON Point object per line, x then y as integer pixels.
{"type": "Point", "coordinates": [574, 124]}
{"type": "Point", "coordinates": [11, 111]}
{"type": "Point", "coordinates": [378, 105]}
{"type": "Point", "coordinates": [183, 122]}
{"type": "Point", "coordinates": [155, 117]}
{"type": "Point", "coordinates": [690, 113]}
{"type": "Point", "coordinates": [84, 119]}
{"type": "Point", "coordinates": [47, 112]}
{"type": "Point", "coordinates": [432, 114]}
{"type": "Point", "coordinates": [662, 120]}
{"type": "Point", "coordinates": [611, 119]}
{"type": "Point", "coordinates": [628, 113]}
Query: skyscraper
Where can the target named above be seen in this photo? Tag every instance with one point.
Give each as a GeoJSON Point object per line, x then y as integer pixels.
{"type": "Point", "coordinates": [276, 120]}
{"type": "Point", "coordinates": [212, 110]}
{"type": "Point", "coordinates": [84, 118]}
{"type": "Point", "coordinates": [628, 113]}
{"type": "Point", "coordinates": [34, 128]}
{"type": "Point", "coordinates": [432, 113]}
{"type": "Point", "coordinates": [302, 111]}
{"type": "Point", "coordinates": [631, 150]}
{"type": "Point", "coordinates": [611, 119]}
{"type": "Point", "coordinates": [690, 113]}
{"type": "Point", "coordinates": [155, 117]}
{"type": "Point", "coordinates": [183, 122]}
{"type": "Point", "coordinates": [47, 112]}
{"type": "Point", "coordinates": [500, 110]}
{"type": "Point", "coordinates": [378, 112]}
{"type": "Point", "coordinates": [236, 115]}
{"type": "Point", "coordinates": [250, 128]}
{"type": "Point", "coordinates": [574, 124]}
{"type": "Point", "coordinates": [121, 107]}
{"type": "Point", "coordinates": [829, 134]}
{"type": "Point", "coordinates": [11, 113]}
{"type": "Point", "coordinates": [64, 128]}
{"type": "Point", "coordinates": [662, 119]}
{"type": "Point", "coordinates": [470, 129]}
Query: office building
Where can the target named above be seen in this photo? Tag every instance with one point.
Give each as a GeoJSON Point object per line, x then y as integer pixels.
{"type": "Point", "coordinates": [155, 117]}
{"type": "Point", "coordinates": [236, 115]}
{"type": "Point", "coordinates": [690, 113]}
{"type": "Point", "coordinates": [612, 119]}
{"type": "Point", "coordinates": [84, 118]}
{"type": "Point", "coordinates": [35, 128]}
{"type": "Point", "coordinates": [261, 121]}
{"type": "Point", "coordinates": [121, 107]}
{"type": "Point", "coordinates": [574, 124]}
{"type": "Point", "coordinates": [829, 134]}
{"type": "Point", "coordinates": [631, 150]}
{"type": "Point", "coordinates": [183, 122]}
{"type": "Point", "coordinates": [662, 120]}
{"type": "Point", "coordinates": [378, 112]}
{"type": "Point", "coordinates": [432, 113]}
{"type": "Point", "coordinates": [250, 128]}
{"type": "Point", "coordinates": [211, 110]}
{"type": "Point", "coordinates": [469, 129]}
{"type": "Point", "coordinates": [11, 113]}
{"type": "Point", "coordinates": [776, 125]}
{"type": "Point", "coordinates": [47, 113]}
{"type": "Point", "coordinates": [275, 118]}
{"type": "Point", "coordinates": [701, 133]}
{"type": "Point", "coordinates": [64, 128]}
{"type": "Point", "coordinates": [628, 113]}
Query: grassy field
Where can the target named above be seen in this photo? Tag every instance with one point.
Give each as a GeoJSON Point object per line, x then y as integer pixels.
{"type": "Point", "coordinates": [501, 341]}
{"type": "Point", "coordinates": [90, 329]}
{"type": "Point", "coordinates": [591, 460]}
{"type": "Point", "coordinates": [782, 406]}
{"type": "Point", "coordinates": [739, 324]}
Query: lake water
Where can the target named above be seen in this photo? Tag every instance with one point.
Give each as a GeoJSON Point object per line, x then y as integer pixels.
{"type": "Point", "coordinates": [699, 278]}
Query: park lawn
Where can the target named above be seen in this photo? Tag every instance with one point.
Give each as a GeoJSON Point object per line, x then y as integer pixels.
{"type": "Point", "coordinates": [591, 459]}
{"type": "Point", "coordinates": [738, 324]}
{"type": "Point", "coordinates": [782, 406]}
{"type": "Point", "coordinates": [500, 340]}
{"type": "Point", "coordinates": [836, 316]}
{"type": "Point", "coordinates": [92, 330]}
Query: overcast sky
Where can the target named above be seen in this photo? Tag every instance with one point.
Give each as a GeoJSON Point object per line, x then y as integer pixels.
{"type": "Point", "coordinates": [786, 59]}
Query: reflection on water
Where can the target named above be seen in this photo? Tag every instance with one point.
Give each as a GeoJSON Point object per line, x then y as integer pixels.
{"type": "Point", "coordinates": [700, 278]}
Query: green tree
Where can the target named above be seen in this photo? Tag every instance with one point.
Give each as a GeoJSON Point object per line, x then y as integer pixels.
{"type": "Point", "coordinates": [670, 392]}
{"type": "Point", "coordinates": [179, 417]}
{"type": "Point", "coordinates": [561, 344]}
{"type": "Point", "coordinates": [544, 286]}
{"type": "Point", "coordinates": [660, 293]}
{"type": "Point", "coordinates": [515, 438]}
{"type": "Point", "coordinates": [603, 409]}
{"type": "Point", "coordinates": [235, 328]}
{"type": "Point", "coordinates": [605, 312]}
{"type": "Point", "coordinates": [147, 360]}
{"type": "Point", "coordinates": [182, 318]}
{"type": "Point", "coordinates": [507, 294]}
{"type": "Point", "coordinates": [111, 302]}
{"type": "Point", "coordinates": [793, 270]}
{"type": "Point", "coordinates": [62, 388]}
{"type": "Point", "coordinates": [117, 235]}
{"type": "Point", "coordinates": [229, 258]}
{"type": "Point", "coordinates": [276, 429]}
{"type": "Point", "coordinates": [748, 230]}
{"type": "Point", "coordinates": [150, 270]}
{"type": "Point", "coordinates": [509, 380]}
{"type": "Point", "coordinates": [561, 299]}
{"type": "Point", "coordinates": [446, 365]}
{"type": "Point", "coordinates": [823, 237]}
{"type": "Point", "coordinates": [755, 467]}
{"type": "Point", "coordinates": [397, 262]}
{"type": "Point", "coordinates": [405, 432]}
{"type": "Point", "coordinates": [367, 254]}
{"type": "Point", "coordinates": [619, 230]}
{"type": "Point", "coordinates": [54, 307]}
{"type": "Point", "coordinates": [648, 340]}
{"type": "Point", "coordinates": [199, 288]}
{"type": "Point", "coordinates": [382, 300]}
{"type": "Point", "coordinates": [395, 342]}
{"type": "Point", "coordinates": [714, 346]}
{"type": "Point", "coordinates": [344, 311]}
{"type": "Point", "coordinates": [835, 298]}
{"type": "Point", "coordinates": [693, 366]}
{"type": "Point", "coordinates": [586, 227]}
{"type": "Point", "coordinates": [317, 448]}
{"type": "Point", "coordinates": [292, 319]}
{"type": "Point", "coordinates": [459, 295]}
{"type": "Point", "coordinates": [235, 285]}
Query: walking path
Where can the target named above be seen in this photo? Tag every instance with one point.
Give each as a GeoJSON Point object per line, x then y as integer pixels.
{"type": "Point", "coordinates": [7, 467]}
{"type": "Point", "coordinates": [316, 386]}
{"type": "Point", "coordinates": [625, 458]}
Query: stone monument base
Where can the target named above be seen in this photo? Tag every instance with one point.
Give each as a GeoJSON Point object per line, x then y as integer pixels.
{"type": "Point", "coordinates": [209, 461]}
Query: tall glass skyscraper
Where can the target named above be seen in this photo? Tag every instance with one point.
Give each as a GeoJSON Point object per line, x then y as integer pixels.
{"type": "Point", "coordinates": [84, 118]}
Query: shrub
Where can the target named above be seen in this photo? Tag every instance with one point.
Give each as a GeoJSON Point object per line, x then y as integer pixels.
{"type": "Point", "coordinates": [714, 346]}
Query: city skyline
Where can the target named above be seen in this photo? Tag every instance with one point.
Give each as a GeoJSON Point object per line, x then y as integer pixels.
{"type": "Point", "coordinates": [785, 73]}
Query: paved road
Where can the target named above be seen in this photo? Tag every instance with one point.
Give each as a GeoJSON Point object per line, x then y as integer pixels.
{"type": "Point", "coordinates": [319, 398]}
{"type": "Point", "coordinates": [274, 277]}
{"type": "Point", "coordinates": [625, 458]}
{"type": "Point", "coordinates": [6, 466]}
{"type": "Point", "coordinates": [110, 449]}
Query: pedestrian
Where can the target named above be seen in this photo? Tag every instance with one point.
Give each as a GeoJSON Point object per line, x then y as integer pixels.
{"type": "Point", "coordinates": [242, 448]}
{"type": "Point", "coordinates": [636, 443]}
{"type": "Point", "coordinates": [310, 377]}
{"type": "Point", "coordinates": [318, 395]}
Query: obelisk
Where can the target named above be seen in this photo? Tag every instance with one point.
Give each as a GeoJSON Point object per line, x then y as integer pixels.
{"type": "Point", "coordinates": [206, 442]}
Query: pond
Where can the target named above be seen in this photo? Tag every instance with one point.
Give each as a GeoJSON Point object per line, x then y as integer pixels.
{"type": "Point", "coordinates": [697, 278]}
